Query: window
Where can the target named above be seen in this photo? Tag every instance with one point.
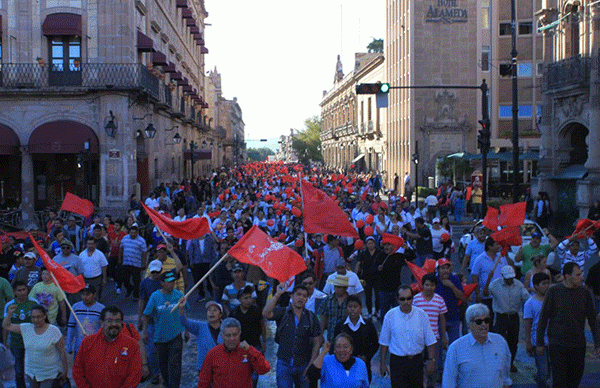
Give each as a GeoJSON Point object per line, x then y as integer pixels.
{"type": "Point", "coordinates": [65, 53]}
{"type": "Point", "coordinates": [485, 14]}
{"type": "Point", "coordinates": [525, 28]}
{"type": "Point", "coordinates": [540, 68]}
{"type": "Point", "coordinates": [525, 111]}
{"type": "Point", "coordinates": [505, 111]}
{"type": "Point", "coordinates": [524, 69]}
{"type": "Point", "coordinates": [485, 58]}
{"type": "Point", "coordinates": [505, 29]}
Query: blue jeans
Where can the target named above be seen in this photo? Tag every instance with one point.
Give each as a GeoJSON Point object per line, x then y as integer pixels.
{"type": "Point", "coordinates": [453, 330]}
{"type": "Point", "coordinates": [19, 355]}
{"type": "Point", "coordinates": [289, 376]}
{"type": "Point", "coordinates": [151, 353]}
{"type": "Point", "coordinates": [169, 358]}
{"type": "Point", "coordinates": [387, 299]}
{"type": "Point", "coordinates": [541, 364]}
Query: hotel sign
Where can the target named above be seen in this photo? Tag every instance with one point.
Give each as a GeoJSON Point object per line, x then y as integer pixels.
{"type": "Point", "coordinates": [446, 11]}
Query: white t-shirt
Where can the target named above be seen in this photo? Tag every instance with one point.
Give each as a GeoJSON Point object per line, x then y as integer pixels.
{"type": "Point", "coordinates": [42, 360]}
{"type": "Point", "coordinates": [436, 241]}
{"type": "Point", "coordinates": [431, 200]}
{"type": "Point", "coordinates": [354, 285]}
{"type": "Point", "coordinates": [92, 265]}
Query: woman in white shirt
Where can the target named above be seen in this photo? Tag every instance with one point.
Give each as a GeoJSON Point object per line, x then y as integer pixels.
{"type": "Point", "coordinates": [44, 348]}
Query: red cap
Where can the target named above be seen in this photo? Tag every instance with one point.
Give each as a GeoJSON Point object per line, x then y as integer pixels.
{"type": "Point", "coordinates": [396, 241]}
{"type": "Point", "coordinates": [161, 246]}
{"type": "Point", "coordinates": [442, 261]}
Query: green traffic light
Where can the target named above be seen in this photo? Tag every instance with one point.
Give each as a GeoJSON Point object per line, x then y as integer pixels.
{"type": "Point", "coordinates": [384, 88]}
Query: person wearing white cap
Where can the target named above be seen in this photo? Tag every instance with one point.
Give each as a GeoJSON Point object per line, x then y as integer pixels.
{"type": "Point", "coordinates": [334, 307]}
{"type": "Point", "coordinates": [29, 273]}
{"type": "Point", "coordinates": [508, 296]}
{"type": "Point", "coordinates": [436, 238]}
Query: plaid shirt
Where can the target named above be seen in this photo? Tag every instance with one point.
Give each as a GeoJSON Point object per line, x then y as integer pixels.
{"type": "Point", "coordinates": [333, 311]}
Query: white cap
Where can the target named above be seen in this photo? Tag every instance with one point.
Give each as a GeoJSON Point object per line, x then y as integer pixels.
{"type": "Point", "coordinates": [507, 272]}
{"type": "Point", "coordinates": [435, 220]}
{"type": "Point", "coordinates": [155, 265]}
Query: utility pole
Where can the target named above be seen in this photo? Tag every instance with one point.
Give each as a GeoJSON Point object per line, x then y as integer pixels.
{"type": "Point", "coordinates": [515, 103]}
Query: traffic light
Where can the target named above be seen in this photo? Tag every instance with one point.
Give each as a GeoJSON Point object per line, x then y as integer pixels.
{"type": "Point", "coordinates": [483, 139]}
{"type": "Point", "coordinates": [374, 88]}
{"type": "Point", "coordinates": [415, 157]}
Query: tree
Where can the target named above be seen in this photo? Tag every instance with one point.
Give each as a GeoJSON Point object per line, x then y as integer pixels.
{"type": "Point", "coordinates": [307, 143]}
{"type": "Point", "coordinates": [376, 46]}
{"type": "Point", "coordinates": [259, 154]}
{"type": "Point", "coordinates": [447, 167]}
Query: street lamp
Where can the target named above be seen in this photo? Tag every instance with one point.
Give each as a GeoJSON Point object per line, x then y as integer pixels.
{"type": "Point", "coordinates": [177, 138]}
{"type": "Point", "coordinates": [111, 125]}
{"type": "Point", "coordinates": [415, 159]}
{"type": "Point", "coordinates": [150, 131]}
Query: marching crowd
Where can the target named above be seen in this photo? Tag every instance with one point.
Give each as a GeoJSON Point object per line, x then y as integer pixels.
{"type": "Point", "coordinates": [458, 327]}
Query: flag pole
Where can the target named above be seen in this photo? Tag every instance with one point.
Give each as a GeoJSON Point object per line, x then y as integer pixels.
{"type": "Point", "coordinates": [306, 257]}
{"type": "Point", "coordinates": [210, 271]}
{"type": "Point", "coordinates": [68, 304]}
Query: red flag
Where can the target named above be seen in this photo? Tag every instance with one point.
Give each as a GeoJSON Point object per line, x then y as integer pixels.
{"type": "Point", "coordinates": [513, 214]}
{"type": "Point", "coordinates": [322, 215]}
{"type": "Point", "coordinates": [491, 219]}
{"type": "Point", "coordinates": [396, 241]}
{"type": "Point", "coordinates": [467, 290]}
{"type": "Point", "coordinates": [510, 235]}
{"type": "Point", "coordinates": [273, 257]}
{"type": "Point", "coordinates": [417, 271]}
{"type": "Point", "coordinates": [66, 281]}
{"type": "Point", "coordinates": [429, 265]}
{"type": "Point", "coordinates": [73, 203]}
{"type": "Point", "coordinates": [586, 225]}
{"type": "Point", "coordinates": [188, 230]}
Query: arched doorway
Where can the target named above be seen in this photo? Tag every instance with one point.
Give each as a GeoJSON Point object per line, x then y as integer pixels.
{"type": "Point", "coordinates": [65, 159]}
{"type": "Point", "coordinates": [10, 173]}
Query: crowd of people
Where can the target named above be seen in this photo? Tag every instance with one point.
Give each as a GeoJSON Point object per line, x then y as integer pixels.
{"type": "Point", "coordinates": [357, 297]}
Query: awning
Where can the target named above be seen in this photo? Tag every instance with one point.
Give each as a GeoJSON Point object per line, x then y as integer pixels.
{"type": "Point", "coordinates": [60, 24]}
{"type": "Point", "coordinates": [170, 68]}
{"type": "Point", "coordinates": [187, 14]}
{"type": "Point", "coordinates": [159, 59]}
{"type": "Point", "coordinates": [9, 141]}
{"type": "Point", "coordinates": [144, 43]}
{"type": "Point", "coordinates": [181, 4]}
{"type": "Point", "coordinates": [194, 30]}
{"type": "Point", "coordinates": [205, 154]}
{"type": "Point", "coordinates": [575, 171]}
{"type": "Point", "coordinates": [190, 22]}
{"type": "Point", "coordinates": [187, 88]}
{"type": "Point", "coordinates": [62, 137]}
{"type": "Point", "coordinates": [203, 50]}
{"type": "Point", "coordinates": [177, 76]}
{"type": "Point", "coordinates": [462, 155]}
{"type": "Point", "coordinates": [183, 82]}
{"type": "Point", "coordinates": [359, 157]}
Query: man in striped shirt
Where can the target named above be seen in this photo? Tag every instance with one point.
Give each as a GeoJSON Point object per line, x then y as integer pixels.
{"type": "Point", "coordinates": [435, 307]}
{"type": "Point", "coordinates": [88, 311]}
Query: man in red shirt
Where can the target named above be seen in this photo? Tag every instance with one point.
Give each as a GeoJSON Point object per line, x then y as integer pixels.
{"type": "Point", "coordinates": [231, 363]}
{"type": "Point", "coordinates": [110, 358]}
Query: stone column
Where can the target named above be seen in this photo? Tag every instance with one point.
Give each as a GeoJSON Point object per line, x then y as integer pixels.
{"type": "Point", "coordinates": [27, 192]}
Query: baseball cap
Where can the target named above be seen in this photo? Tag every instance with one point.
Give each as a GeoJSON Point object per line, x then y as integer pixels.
{"type": "Point", "coordinates": [237, 267]}
{"type": "Point", "coordinates": [30, 255]}
{"type": "Point", "coordinates": [155, 266]}
{"type": "Point", "coordinates": [442, 261]}
{"type": "Point", "coordinates": [213, 303]}
{"type": "Point", "coordinates": [436, 220]}
{"type": "Point", "coordinates": [18, 252]}
{"type": "Point", "coordinates": [161, 246]}
{"type": "Point", "coordinates": [507, 272]}
{"type": "Point", "coordinates": [134, 226]}
{"type": "Point", "coordinates": [89, 288]}
{"type": "Point", "coordinates": [536, 235]}
{"type": "Point", "coordinates": [66, 241]}
{"type": "Point", "coordinates": [169, 276]}
{"type": "Point", "coordinates": [245, 290]}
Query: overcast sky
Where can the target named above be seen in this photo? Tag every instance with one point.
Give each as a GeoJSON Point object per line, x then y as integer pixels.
{"type": "Point", "coordinates": [277, 56]}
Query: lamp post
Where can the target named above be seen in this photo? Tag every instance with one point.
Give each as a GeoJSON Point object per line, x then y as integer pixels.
{"type": "Point", "coordinates": [415, 158]}
{"type": "Point", "coordinates": [193, 146]}
{"type": "Point", "coordinates": [86, 169]}
{"type": "Point", "coordinates": [515, 103]}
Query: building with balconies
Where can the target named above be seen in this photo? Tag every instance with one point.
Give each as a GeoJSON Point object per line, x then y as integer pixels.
{"type": "Point", "coordinates": [569, 166]}
{"type": "Point", "coordinates": [99, 98]}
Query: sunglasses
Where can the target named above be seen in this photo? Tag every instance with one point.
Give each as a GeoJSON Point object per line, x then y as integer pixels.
{"type": "Point", "coordinates": [479, 321]}
{"type": "Point", "coordinates": [154, 272]}
{"type": "Point", "coordinates": [405, 299]}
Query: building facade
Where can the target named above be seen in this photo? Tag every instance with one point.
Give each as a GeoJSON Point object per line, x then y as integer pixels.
{"type": "Point", "coordinates": [286, 151]}
{"type": "Point", "coordinates": [428, 44]}
{"type": "Point", "coordinates": [104, 99]}
{"type": "Point", "coordinates": [570, 154]}
{"type": "Point", "coordinates": [353, 128]}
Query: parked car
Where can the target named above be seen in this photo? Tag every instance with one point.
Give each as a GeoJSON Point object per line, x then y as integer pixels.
{"type": "Point", "coordinates": [527, 230]}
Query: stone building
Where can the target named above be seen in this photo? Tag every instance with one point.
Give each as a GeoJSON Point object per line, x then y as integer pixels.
{"type": "Point", "coordinates": [430, 43]}
{"type": "Point", "coordinates": [286, 151]}
{"type": "Point", "coordinates": [353, 128]}
{"type": "Point", "coordinates": [569, 166]}
{"type": "Point", "coordinates": [100, 98]}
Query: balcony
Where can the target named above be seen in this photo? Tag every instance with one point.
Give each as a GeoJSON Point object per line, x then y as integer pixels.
{"type": "Point", "coordinates": [571, 72]}
{"type": "Point", "coordinates": [87, 76]}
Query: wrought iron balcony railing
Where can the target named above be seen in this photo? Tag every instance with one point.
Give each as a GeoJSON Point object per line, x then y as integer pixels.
{"type": "Point", "coordinates": [574, 71]}
{"type": "Point", "coordinates": [101, 76]}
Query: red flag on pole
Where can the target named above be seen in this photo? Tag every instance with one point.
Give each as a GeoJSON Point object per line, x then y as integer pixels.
{"type": "Point", "coordinates": [396, 241]}
{"type": "Point", "coordinates": [491, 219]}
{"type": "Point", "coordinates": [586, 225]}
{"type": "Point", "coordinates": [322, 215]}
{"type": "Point", "coordinates": [73, 203]}
{"type": "Point", "coordinates": [507, 237]}
{"type": "Point", "coordinates": [512, 215]}
{"type": "Point", "coordinates": [274, 258]}
{"type": "Point", "coordinates": [66, 281]}
{"type": "Point", "coordinates": [467, 291]}
{"type": "Point", "coordinates": [188, 230]}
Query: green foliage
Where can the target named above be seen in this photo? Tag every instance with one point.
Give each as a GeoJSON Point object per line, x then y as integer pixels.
{"type": "Point", "coordinates": [307, 143]}
{"type": "Point", "coordinates": [376, 46]}
{"type": "Point", "coordinates": [259, 154]}
{"type": "Point", "coordinates": [447, 167]}
{"type": "Point", "coordinates": [425, 192]}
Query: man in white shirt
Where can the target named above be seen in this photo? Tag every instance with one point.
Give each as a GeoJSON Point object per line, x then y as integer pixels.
{"type": "Point", "coordinates": [436, 238]}
{"type": "Point", "coordinates": [405, 333]}
{"type": "Point", "coordinates": [354, 285]}
{"type": "Point", "coordinates": [431, 202]}
{"type": "Point", "coordinates": [315, 297]}
{"type": "Point", "coordinates": [94, 265]}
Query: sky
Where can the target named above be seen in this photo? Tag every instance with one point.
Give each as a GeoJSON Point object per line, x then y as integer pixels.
{"type": "Point", "coordinates": [277, 56]}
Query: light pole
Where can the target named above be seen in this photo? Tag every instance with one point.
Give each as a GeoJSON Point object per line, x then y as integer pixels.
{"type": "Point", "coordinates": [415, 158]}
{"type": "Point", "coordinates": [193, 146]}
{"type": "Point", "coordinates": [515, 103]}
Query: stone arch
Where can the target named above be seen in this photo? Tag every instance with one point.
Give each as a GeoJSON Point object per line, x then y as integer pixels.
{"type": "Point", "coordinates": [573, 142]}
